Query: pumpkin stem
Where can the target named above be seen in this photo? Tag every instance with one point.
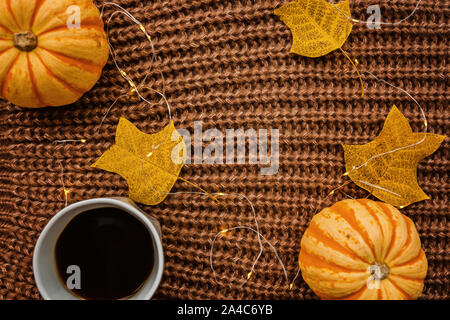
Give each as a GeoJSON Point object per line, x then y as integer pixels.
{"type": "Point", "coordinates": [25, 41]}
{"type": "Point", "coordinates": [379, 271]}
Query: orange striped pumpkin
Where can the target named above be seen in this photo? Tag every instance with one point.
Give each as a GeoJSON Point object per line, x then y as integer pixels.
{"type": "Point", "coordinates": [44, 60]}
{"type": "Point", "coordinates": [363, 249]}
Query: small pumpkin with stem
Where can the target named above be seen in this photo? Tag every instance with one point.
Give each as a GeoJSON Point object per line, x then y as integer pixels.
{"type": "Point", "coordinates": [361, 250]}
{"type": "Point", "coordinates": [51, 51]}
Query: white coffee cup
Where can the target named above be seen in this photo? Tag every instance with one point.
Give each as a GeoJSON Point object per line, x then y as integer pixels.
{"type": "Point", "coordinates": [44, 264]}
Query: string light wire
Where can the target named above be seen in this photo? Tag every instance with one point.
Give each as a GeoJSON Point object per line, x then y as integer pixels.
{"type": "Point", "coordinates": [381, 22]}
{"type": "Point", "coordinates": [254, 230]}
{"type": "Point", "coordinates": [257, 230]}
{"type": "Point", "coordinates": [113, 55]}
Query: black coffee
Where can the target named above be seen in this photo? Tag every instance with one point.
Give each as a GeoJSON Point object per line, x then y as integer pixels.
{"type": "Point", "coordinates": [113, 250]}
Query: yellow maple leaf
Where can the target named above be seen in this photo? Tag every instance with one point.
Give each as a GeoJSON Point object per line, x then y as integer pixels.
{"type": "Point", "coordinates": [151, 163]}
{"type": "Point", "coordinates": [387, 166]}
{"type": "Point", "coordinates": [317, 26]}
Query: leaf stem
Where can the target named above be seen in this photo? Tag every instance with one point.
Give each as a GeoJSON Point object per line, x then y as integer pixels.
{"type": "Point", "coordinates": [357, 71]}
{"type": "Point", "coordinates": [202, 190]}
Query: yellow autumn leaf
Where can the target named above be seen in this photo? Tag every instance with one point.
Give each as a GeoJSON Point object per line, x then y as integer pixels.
{"type": "Point", "coordinates": [317, 26]}
{"type": "Point", "coordinates": [387, 166]}
{"type": "Point", "coordinates": [150, 163]}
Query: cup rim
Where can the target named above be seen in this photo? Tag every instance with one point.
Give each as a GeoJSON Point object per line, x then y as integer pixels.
{"type": "Point", "coordinates": [115, 202]}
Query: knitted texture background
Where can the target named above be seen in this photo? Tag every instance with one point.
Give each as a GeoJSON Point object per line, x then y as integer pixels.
{"type": "Point", "coordinates": [227, 63]}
